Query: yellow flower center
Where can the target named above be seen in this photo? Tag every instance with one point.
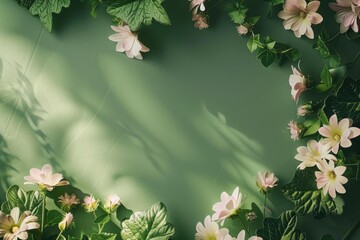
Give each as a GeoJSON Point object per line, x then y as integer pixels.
{"type": "Point", "coordinates": [337, 137]}
{"type": "Point", "coordinates": [303, 15]}
{"type": "Point", "coordinates": [331, 175]}
{"type": "Point", "coordinates": [14, 229]}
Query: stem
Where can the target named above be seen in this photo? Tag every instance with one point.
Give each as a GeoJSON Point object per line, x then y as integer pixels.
{"type": "Point", "coordinates": [60, 233]}
{"type": "Point", "coordinates": [333, 37]}
{"type": "Point", "coordinates": [210, 8]}
{"type": "Point", "coordinates": [265, 197]}
{"type": "Point", "coordinates": [99, 228]}
{"type": "Point", "coordinates": [351, 230]}
{"type": "Point", "coordinates": [43, 212]}
{"type": "Point", "coordinates": [246, 229]}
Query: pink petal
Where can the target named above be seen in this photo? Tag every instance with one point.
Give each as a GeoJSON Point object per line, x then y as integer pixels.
{"type": "Point", "coordinates": [345, 142]}
{"type": "Point", "coordinates": [313, 6]}
{"type": "Point", "coordinates": [340, 170]}
{"type": "Point", "coordinates": [339, 188]}
{"type": "Point", "coordinates": [354, 132]}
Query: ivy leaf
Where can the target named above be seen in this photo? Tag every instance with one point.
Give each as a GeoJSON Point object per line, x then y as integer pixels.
{"type": "Point", "coordinates": [53, 217]}
{"type": "Point", "coordinates": [139, 12]}
{"type": "Point", "coordinates": [45, 9]}
{"type": "Point", "coordinates": [150, 224]}
{"type": "Point", "coordinates": [322, 48]}
{"type": "Point", "coordinates": [253, 42]}
{"type": "Point", "coordinates": [281, 228]}
{"type": "Point", "coordinates": [103, 236]}
{"type": "Point", "coordinates": [307, 198]}
{"type": "Point", "coordinates": [326, 77]}
{"type": "Point", "coordinates": [269, 43]}
{"type": "Point", "coordinates": [266, 56]}
{"type": "Point", "coordinates": [26, 201]}
{"type": "Point", "coordinates": [238, 15]}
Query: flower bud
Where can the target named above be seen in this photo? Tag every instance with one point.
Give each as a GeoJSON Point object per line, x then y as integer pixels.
{"type": "Point", "coordinates": [65, 223]}
{"type": "Point", "coordinates": [90, 203]}
{"type": "Point", "coordinates": [242, 29]}
{"type": "Point", "coordinates": [304, 110]}
{"type": "Point", "coordinates": [112, 203]}
{"type": "Point", "coordinates": [266, 181]}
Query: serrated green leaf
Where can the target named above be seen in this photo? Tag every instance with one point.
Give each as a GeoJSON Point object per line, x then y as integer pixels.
{"type": "Point", "coordinates": [282, 228]}
{"type": "Point", "coordinates": [313, 128]}
{"type": "Point", "coordinates": [326, 76]}
{"type": "Point", "coordinates": [103, 236]}
{"type": "Point", "coordinates": [253, 42]}
{"type": "Point", "coordinates": [266, 56]}
{"type": "Point", "coordinates": [238, 15]}
{"type": "Point", "coordinates": [25, 3]}
{"type": "Point", "coordinates": [45, 10]}
{"type": "Point", "coordinates": [307, 198]}
{"type": "Point", "coordinates": [140, 12]}
{"type": "Point", "coordinates": [102, 219]}
{"type": "Point", "coordinates": [53, 217]}
{"type": "Point", "coordinates": [150, 224]}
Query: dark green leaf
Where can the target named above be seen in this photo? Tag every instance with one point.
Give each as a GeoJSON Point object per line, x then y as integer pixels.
{"type": "Point", "coordinates": [53, 217]}
{"type": "Point", "coordinates": [150, 224]}
{"type": "Point", "coordinates": [140, 12]}
{"type": "Point", "coordinates": [102, 219]}
{"type": "Point", "coordinates": [103, 236]}
{"type": "Point", "coordinates": [327, 237]}
{"type": "Point", "coordinates": [253, 42]}
{"type": "Point", "coordinates": [25, 3]}
{"type": "Point", "coordinates": [238, 15]}
{"type": "Point", "coordinates": [352, 35]}
{"type": "Point", "coordinates": [45, 9]}
{"type": "Point", "coordinates": [308, 199]}
{"type": "Point", "coordinates": [281, 228]}
{"type": "Point", "coordinates": [326, 76]}
{"type": "Point", "coordinates": [123, 213]}
{"type": "Point", "coordinates": [251, 217]}
{"type": "Point", "coordinates": [253, 20]}
{"type": "Point", "coordinates": [335, 59]}
{"type": "Point", "coordinates": [266, 56]}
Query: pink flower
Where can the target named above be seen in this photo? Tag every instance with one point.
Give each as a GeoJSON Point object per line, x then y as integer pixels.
{"type": "Point", "coordinates": [195, 5]}
{"type": "Point", "coordinates": [210, 230]}
{"type": "Point", "coordinates": [112, 203]}
{"type": "Point", "coordinates": [200, 21]}
{"type": "Point", "coordinates": [347, 14]}
{"type": "Point", "coordinates": [45, 179]}
{"type": "Point", "coordinates": [266, 181]}
{"type": "Point", "coordinates": [127, 42]}
{"type": "Point", "coordinates": [313, 154]}
{"type": "Point", "coordinates": [90, 203]}
{"type": "Point", "coordinates": [330, 178]}
{"type": "Point", "coordinates": [66, 201]}
{"type": "Point", "coordinates": [242, 29]}
{"type": "Point", "coordinates": [65, 223]}
{"type": "Point", "coordinates": [299, 16]}
{"type": "Point", "coordinates": [338, 133]}
{"type": "Point", "coordinates": [295, 130]}
{"type": "Point", "coordinates": [298, 83]}
{"type": "Point", "coordinates": [228, 205]}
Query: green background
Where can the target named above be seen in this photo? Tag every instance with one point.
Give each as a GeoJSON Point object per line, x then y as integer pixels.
{"type": "Point", "coordinates": [198, 116]}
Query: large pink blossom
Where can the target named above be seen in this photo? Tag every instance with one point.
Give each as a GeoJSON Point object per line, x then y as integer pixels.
{"type": "Point", "coordinates": [347, 14]}
{"type": "Point", "coordinates": [228, 205]}
{"type": "Point", "coordinates": [298, 16]}
{"type": "Point", "coordinates": [128, 42]}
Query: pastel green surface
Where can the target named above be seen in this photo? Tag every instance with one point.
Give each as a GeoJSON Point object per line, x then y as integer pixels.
{"type": "Point", "coordinates": [200, 115]}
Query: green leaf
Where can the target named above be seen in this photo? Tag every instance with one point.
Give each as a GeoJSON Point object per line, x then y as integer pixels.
{"type": "Point", "coordinates": [254, 220]}
{"type": "Point", "coordinates": [102, 219]}
{"type": "Point", "coordinates": [93, 7]}
{"type": "Point", "coordinates": [253, 42]}
{"type": "Point", "coordinates": [25, 3]}
{"type": "Point", "coordinates": [352, 35]}
{"type": "Point", "coordinates": [26, 201]}
{"type": "Point", "coordinates": [103, 236]}
{"type": "Point", "coordinates": [123, 213]}
{"type": "Point", "coordinates": [138, 12]}
{"type": "Point", "coordinates": [45, 9]}
{"type": "Point", "coordinates": [323, 118]}
{"type": "Point", "coordinates": [253, 20]}
{"type": "Point", "coordinates": [269, 43]}
{"type": "Point", "coordinates": [307, 198]}
{"type": "Point", "coordinates": [53, 217]}
{"type": "Point", "coordinates": [313, 128]}
{"type": "Point", "coordinates": [335, 59]}
{"type": "Point", "coordinates": [266, 56]}
{"type": "Point", "coordinates": [327, 237]}
{"type": "Point", "coordinates": [322, 48]}
{"type": "Point", "coordinates": [150, 224]}
{"type": "Point", "coordinates": [281, 228]}
{"type": "Point", "coordinates": [238, 15]}
{"type": "Point", "coordinates": [326, 77]}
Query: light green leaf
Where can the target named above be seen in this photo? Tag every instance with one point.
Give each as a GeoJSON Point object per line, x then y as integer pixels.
{"type": "Point", "coordinates": [307, 198]}
{"type": "Point", "coordinates": [282, 228]}
{"type": "Point", "coordinates": [149, 225]}
{"type": "Point", "coordinates": [238, 15]}
{"type": "Point", "coordinates": [102, 219]}
{"type": "Point", "coordinates": [53, 217]}
{"type": "Point", "coordinates": [323, 118]}
{"type": "Point", "coordinates": [103, 236]}
{"type": "Point", "coordinates": [322, 48]}
{"type": "Point", "coordinates": [138, 12]}
{"type": "Point", "coordinates": [45, 9]}
{"type": "Point", "coordinates": [253, 42]}
{"type": "Point", "coordinates": [269, 43]}
{"type": "Point", "coordinates": [313, 128]}
{"type": "Point", "coordinates": [326, 76]}
{"type": "Point", "coordinates": [93, 7]}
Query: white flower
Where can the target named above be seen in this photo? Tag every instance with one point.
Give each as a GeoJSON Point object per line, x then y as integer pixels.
{"type": "Point", "coordinates": [330, 178]}
{"type": "Point", "coordinates": [338, 133]}
{"type": "Point", "coordinates": [65, 223]}
{"type": "Point", "coordinates": [313, 154]}
{"type": "Point", "coordinates": [127, 42]}
{"type": "Point", "coordinates": [112, 203]}
{"type": "Point", "coordinates": [298, 83]}
{"type": "Point", "coordinates": [228, 205]}
{"type": "Point", "coordinates": [15, 226]}
{"type": "Point", "coordinates": [266, 181]}
{"type": "Point", "coordinates": [210, 230]}
{"type": "Point", "coordinates": [44, 178]}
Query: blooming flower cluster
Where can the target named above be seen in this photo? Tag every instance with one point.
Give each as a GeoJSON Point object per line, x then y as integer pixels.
{"type": "Point", "coordinates": [347, 14]}
{"type": "Point", "coordinates": [322, 154]}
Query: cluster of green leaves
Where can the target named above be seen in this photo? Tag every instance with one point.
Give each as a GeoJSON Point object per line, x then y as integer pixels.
{"type": "Point", "coordinates": [268, 50]}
